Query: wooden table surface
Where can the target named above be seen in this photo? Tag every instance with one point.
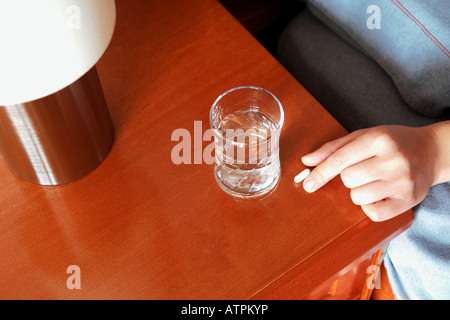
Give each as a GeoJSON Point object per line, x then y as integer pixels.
{"type": "Point", "coordinates": [141, 227]}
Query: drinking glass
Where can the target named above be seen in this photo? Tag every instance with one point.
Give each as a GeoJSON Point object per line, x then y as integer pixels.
{"type": "Point", "coordinates": [247, 122]}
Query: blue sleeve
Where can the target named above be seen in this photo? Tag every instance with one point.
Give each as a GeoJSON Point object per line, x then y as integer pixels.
{"type": "Point", "coordinates": [418, 261]}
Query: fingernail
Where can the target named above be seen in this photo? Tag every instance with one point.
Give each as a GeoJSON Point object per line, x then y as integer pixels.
{"type": "Point", "coordinates": [309, 185]}
{"type": "Point", "coordinates": [304, 158]}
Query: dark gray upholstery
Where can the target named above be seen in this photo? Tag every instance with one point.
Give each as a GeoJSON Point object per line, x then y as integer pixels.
{"type": "Point", "coordinates": [350, 85]}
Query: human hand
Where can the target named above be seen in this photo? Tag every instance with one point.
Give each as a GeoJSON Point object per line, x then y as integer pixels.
{"type": "Point", "coordinates": [389, 169]}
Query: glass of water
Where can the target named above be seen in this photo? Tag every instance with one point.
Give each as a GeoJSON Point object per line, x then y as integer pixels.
{"type": "Point", "coordinates": [247, 123]}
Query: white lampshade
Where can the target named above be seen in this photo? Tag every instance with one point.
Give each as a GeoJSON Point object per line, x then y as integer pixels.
{"type": "Point", "coordinates": [45, 45]}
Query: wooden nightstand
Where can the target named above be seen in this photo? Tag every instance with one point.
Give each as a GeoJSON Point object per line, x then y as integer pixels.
{"type": "Point", "coordinates": [142, 227]}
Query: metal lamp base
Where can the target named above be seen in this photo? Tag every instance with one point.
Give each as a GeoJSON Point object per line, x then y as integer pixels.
{"type": "Point", "coordinates": [59, 138]}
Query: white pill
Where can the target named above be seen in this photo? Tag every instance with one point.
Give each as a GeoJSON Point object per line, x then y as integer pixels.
{"type": "Point", "coordinates": [302, 176]}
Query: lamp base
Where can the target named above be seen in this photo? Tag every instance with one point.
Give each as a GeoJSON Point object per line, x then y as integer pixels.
{"type": "Point", "coordinates": [59, 138]}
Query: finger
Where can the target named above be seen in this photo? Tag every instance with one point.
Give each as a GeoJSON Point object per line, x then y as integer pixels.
{"type": "Point", "coordinates": [385, 209]}
{"type": "Point", "coordinates": [318, 156]}
{"type": "Point", "coordinates": [348, 155]}
{"type": "Point", "coordinates": [363, 172]}
{"type": "Point", "coordinates": [371, 192]}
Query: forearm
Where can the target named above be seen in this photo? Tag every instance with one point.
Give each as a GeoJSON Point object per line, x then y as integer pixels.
{"type": "Point", "coordinates": [441, 136]}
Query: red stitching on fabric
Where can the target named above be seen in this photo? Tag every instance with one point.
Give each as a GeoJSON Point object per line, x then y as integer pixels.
{"type": "Point", "coordinates": [429, 33]}
{"type": "Point", "coordinates": [423, 28]}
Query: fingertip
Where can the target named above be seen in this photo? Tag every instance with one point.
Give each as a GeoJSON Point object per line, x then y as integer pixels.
{"type": "Point", "coordinates": [371, 210]}
{"type": "Point", "coordinates": [308, 160]}
{"type": "Point", "coordinates": [382, 210]}
{"type": "Point", "coordinates": [305, 159]}
{"type": "Point", "coordinates": [309, 185]}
